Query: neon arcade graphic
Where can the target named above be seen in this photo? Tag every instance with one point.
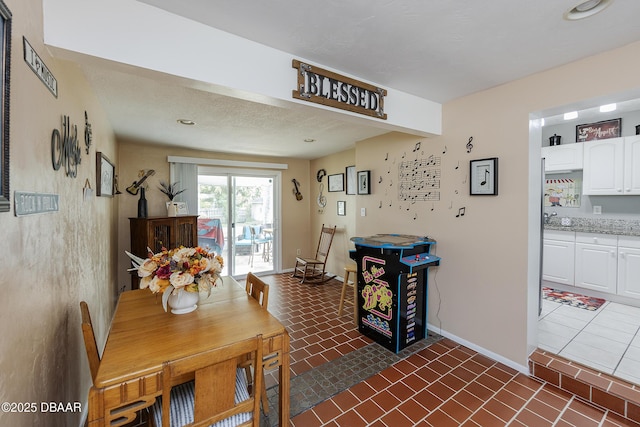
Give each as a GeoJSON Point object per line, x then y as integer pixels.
{"type": "Point", "coordinates": [392, 288]}
{"type": "Point", "coordinates": [378, 298]}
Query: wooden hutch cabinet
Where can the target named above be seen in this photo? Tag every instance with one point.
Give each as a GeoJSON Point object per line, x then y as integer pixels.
{"type": "Point", "coordinates": [156, 232]}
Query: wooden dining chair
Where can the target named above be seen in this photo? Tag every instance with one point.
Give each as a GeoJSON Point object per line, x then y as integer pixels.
{"type": "Point", "coordinates": [313, 269]}
{"type": "Point", "coordinates": [89, 340]}
{"type": "Point", "coordinates": [93, 355]}
{"type": "Point", "coordinates": [259, 291]}
{"type": "Point", "coordinates": [219, 394]}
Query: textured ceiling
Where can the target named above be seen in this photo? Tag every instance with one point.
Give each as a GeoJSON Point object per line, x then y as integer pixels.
{"type": "Point", "coordinates": [436, 49]}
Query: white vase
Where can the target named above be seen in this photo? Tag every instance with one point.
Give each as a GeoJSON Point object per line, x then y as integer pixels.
{"type": "Point", "coordinates": [172, 209]}
{"type": "Point", "coordinates": [183, 302]}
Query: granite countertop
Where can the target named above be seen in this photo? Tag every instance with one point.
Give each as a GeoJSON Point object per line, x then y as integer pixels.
{"type": "Point", "coordinates": [620, 227]}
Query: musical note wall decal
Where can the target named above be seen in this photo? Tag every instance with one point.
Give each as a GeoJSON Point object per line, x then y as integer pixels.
{"type": "Point", "coordinates": [445, 149]}
{"type": "Point", "coordinates": [469, 144]}
{"type": "Point", "coordinates": [460, 212]}
{"type": "Point", "coordinates": [417, 147]}
{"type": "Point", "coordinates": [458, 165]}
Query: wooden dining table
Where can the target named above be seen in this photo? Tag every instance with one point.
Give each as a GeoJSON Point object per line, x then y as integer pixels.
{"type": "Point", "coordinates": [142, 336]}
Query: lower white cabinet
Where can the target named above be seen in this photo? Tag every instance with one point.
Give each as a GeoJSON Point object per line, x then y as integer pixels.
{"type": "Point", "coordinates": [596, 262]}
{"type": "Point", "coordinates": [558, 256]}
{"type": "Point", "coordinates": [602, 262]}
{"type": "Point", "coordinates": [629, 266]}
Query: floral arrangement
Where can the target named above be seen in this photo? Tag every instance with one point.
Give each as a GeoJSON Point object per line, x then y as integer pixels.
{"type": "Point", "coordinates": [180, 269]}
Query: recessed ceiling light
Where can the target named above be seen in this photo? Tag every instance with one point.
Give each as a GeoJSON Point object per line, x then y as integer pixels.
{"type": "Point", "coordinates": [309, 140]}
{"type": "Point", "coordinates": [586, 9]}
{"type": "Point", "coordinates": [186, 122]}
{"type": "Point", "coordinates": [607, 108]}
{"type": "Point", "coordinates": [571, 115]}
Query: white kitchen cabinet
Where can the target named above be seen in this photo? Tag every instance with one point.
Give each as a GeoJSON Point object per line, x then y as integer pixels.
{"type": "Point", "coordinates": [558, 256]}
{"type": "Point", "coordinates": [629, 266]}
{"type": "Point", "coordinates": [596, 262]}
{"type": "Point", "coordinates": [563, 157]}
{"type": "Point", "coordinates": [632, 165]}
{"type": "Point", "coordinates": [603, 172]}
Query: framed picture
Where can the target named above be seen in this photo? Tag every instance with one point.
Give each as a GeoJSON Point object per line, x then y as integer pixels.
{"type": "Point", "coordinates": [599, 130]}
{"type": "Point", "coordinates": [181, 208]}
{"type": "Point", "coordinates": [364, 180]}
{"type": "Point", "coordinates": [342, 207]}
{"type": "Point", "coordinates": [5, 66]}
{"type": "Point", "coordinates": [350, 174]}
{"type": "Point", "coordinates": [105, 174]}
{"type": "Point", "coordinates": [484, 177]}
{"type": "Point", "coordinates": [336, 182]}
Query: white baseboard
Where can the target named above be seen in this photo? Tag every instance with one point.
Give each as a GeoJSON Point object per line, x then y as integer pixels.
{"type": "Point", "coordinates": [510, 363]}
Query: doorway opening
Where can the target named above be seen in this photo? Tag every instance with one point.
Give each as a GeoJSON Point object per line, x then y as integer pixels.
{"type": "Point", "coordinates": [607, 338]}
{"type": "Point", "coordinates": [238, 216]}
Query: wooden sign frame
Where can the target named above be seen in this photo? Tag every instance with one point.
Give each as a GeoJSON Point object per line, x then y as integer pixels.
{"type": "Point", "coordinates": [325, 87]}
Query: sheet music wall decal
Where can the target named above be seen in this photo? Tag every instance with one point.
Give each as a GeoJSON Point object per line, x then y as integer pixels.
{"type": "Point", "coordinates": [419, 180]}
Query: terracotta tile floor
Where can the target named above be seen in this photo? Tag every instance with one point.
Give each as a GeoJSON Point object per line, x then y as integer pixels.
{"type": "Point", "coordinates": [310, 314]}
{"type": "Point", "coordinates": [434, 383]}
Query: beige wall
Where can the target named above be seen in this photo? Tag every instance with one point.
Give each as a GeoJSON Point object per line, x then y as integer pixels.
{"type": "Point", "coordinates": [135, 156]}
{"type": "Point", "coordinates": [56, 259]}
{"type": "Point", "coordinates": [484, 292]}
{"type": "Point", "coordinates": [345, 225]}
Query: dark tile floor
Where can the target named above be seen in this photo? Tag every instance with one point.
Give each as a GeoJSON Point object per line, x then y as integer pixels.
{"type": "Point", "coordinates": [339, 378]}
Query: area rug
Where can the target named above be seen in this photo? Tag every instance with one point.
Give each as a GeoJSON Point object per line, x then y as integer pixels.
{"type": "Point", "coordinates": [574, 300]}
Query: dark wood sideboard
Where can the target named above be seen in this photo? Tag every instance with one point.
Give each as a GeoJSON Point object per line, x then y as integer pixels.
{"type": "Point", "coordinates": [158, 232]}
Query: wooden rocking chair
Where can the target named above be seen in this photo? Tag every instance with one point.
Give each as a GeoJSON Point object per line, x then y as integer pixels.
{"type": "Point", "coordinates": [312, 270]}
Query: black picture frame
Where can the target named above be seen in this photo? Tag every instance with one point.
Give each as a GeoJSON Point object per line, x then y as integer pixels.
{"type": "Point", "coordinates": [350, 176]}
{"type": "Point", "coordinates": [364, 182]}
{"type": "Point", "coordinates": [484, 177]}
{"type": "Point", "coordinates": [105, 176]}
{"type": "Point", "coordinates": [342, 208]}
{"type": "Point", "coordinates": [5, 74]}
{"type": "Point", "coordinates": [336, 182]}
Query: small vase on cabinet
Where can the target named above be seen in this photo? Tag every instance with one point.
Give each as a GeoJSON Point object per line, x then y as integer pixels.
{"type": "Point", "coordinates": [172, 209]}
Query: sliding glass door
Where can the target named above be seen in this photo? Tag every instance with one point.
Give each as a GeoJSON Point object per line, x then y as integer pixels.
{"type": "Point", "coordinates": [237, 218]}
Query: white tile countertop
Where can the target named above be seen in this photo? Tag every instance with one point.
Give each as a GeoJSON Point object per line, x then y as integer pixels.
{"type": "Point", "coordinates": [621, 227]}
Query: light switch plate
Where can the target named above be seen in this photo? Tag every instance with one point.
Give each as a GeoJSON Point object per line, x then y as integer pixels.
{"type": "Point", "coordinates": [597, 210]}
{"type": "Point", "coordinates": [363, 211]}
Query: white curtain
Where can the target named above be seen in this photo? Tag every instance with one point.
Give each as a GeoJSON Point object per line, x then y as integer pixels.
{"type": "Point", "coordinates": [186, 174]}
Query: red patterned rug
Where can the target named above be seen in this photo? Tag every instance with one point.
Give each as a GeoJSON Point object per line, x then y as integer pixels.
{"type": "Point", "coordinates": [574, 300]}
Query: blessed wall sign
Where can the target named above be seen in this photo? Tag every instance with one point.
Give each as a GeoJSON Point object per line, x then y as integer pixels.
{"type": "Point", "coordinates": [334, 90]}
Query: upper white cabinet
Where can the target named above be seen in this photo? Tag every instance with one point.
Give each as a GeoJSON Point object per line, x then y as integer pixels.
{"type": "Point", "coordinates": [563, 157]}
{"type": "Point", "coordinates": [632, 164]}
{"type": "Point", "coordinates": [603, 167]}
